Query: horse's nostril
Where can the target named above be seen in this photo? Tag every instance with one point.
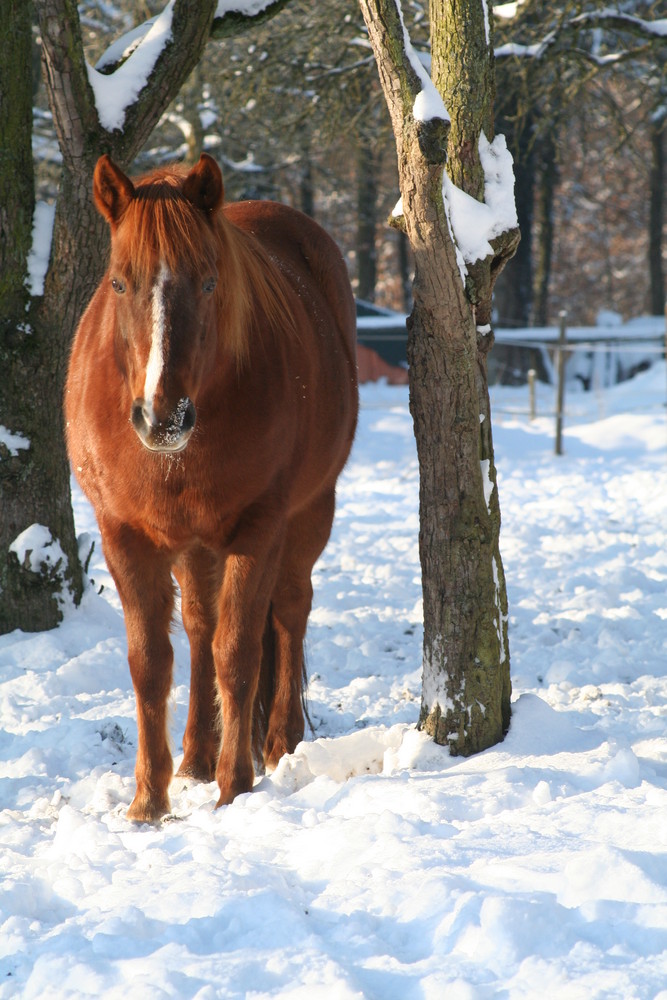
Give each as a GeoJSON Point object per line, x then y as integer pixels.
{"type": "Point", "coordinates": [138, 414]}
{"type": "Point", "coordinates": [189, 416]}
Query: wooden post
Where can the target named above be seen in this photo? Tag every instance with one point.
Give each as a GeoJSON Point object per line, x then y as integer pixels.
{"type": "Point", "coordinates": [532, 375]}
{"type": "Point", "coordinates": [560, 369]}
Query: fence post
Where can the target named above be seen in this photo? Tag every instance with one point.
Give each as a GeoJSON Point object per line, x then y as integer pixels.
{"type": "Point", "coordinates": [532, 375]}
{"type": "Point", "coordinates": [560, 369]}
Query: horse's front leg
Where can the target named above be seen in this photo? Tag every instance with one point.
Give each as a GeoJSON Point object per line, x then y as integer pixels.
{"type": "Point", "coordinates": [306, 537]}
{"type": "Point", "coordinates": [249, 576]}
{"type": "Point", "coordinates": [198, 574]}
{"type": "Point", "coordinates": [143, 577]}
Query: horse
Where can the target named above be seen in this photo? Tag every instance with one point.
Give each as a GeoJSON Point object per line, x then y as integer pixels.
{"type": "Point", "coordinates": [210, 405]}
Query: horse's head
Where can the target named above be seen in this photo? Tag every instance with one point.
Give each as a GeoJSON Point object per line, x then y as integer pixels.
{"type": "Point", "coordinates": [163, 272]}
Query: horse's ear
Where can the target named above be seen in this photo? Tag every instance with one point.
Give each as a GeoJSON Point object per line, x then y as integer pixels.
{"type": "Point", "coordinates": [203, 186]}
{"type": "Point", "coordinates": [112, 190]}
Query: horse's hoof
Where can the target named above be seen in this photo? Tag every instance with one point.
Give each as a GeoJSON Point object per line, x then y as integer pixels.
{"type": "Point", "coordinates": [196, 771]}
{"type": "Point", "coordinates": [276, 746]}
{"type": "Point", "coordinates": [147, 810]}
{"type": "Point", "coordinates": [230, 789]}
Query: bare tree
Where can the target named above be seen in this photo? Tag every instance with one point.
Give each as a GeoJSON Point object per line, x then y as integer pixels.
{"type": "Point", "coordinates": [449, 162]}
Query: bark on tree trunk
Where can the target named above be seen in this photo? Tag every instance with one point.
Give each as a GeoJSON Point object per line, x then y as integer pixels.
{"type": "Point", "coordinates": [544, 220]}
{"type": "Point", "coordinates": [306, 186]}
{"type": "Point", "coordinates": [657, 217]}
{"type": "Point", "coordinates": [34, 473]}
{"type": "Point", "coordinates": [513, 293]}
{"type": "Point", "coordinates": [366, 214]}
{"type": "Point", "coordinates": [404, 270]}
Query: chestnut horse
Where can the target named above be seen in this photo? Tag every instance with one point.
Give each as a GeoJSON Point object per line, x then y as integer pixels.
{"type": "Point", "coordinates": [211, 403]}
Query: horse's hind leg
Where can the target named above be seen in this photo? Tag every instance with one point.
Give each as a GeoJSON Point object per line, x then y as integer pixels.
{"type": "Point", "coordinates": [143, 578]}
{"type": "Point", "coordinates": [291, 603]}
{"type": "Point", "coordinates": [248, 580]}
{"type": "Point", "coordinates": [198, 575]}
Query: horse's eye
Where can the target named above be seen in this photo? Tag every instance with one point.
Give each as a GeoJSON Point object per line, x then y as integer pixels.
{"type": "Point", "coordinates": [118, 285]}
{"type": "Point", "coordinates": [209, 285]}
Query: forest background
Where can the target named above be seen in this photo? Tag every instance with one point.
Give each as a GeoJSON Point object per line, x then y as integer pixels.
{"type": "Point", "coordinates": [293, 110]}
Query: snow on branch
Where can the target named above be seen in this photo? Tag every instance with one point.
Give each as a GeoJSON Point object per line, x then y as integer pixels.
{"type": "Point", "coordinates": [235, 16]}
{"type": "Point", "coordinates": [415, 92]}
{"type": "Point", "coordinates": [612, 20]}
{"type": "Point", "coordinates": [125, 69]}
{"type": "Point", "coordinates": [115, 92]}
{"type": "Point", "coordinates": [123, 47]}
{"type": "Point", "coordinates": [476, 223]}
{"type": "Point", "coordinates": [623, 22]}
{"type": "Point", "coordinates": [428, 103]}
{"type": "Point", "coordinates": [533, 51]}
{"type": "Point", "coordinates": [248, 8]}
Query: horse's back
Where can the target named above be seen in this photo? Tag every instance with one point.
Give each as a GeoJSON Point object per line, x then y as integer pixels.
{"type": "Point", "coordinates": [303, 251]}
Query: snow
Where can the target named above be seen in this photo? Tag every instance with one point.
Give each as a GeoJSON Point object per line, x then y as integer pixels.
{"type": "Point", "coordinates": [248, 7]}
{"type": "Point", "coordinates": [12, 442]}
{"type": "Point", "coordinates": [475, 223]}
{"type": "Point", "coordinates": [508, 11]}
{"type": "Point", "coordinates": [35, 547]}
{"type": "Point", "coordinates": [115, 92]}
{"type": "Point", "coordinates": [371, 863]}
{"type": "Point", "coordinates": [487, 482]}
{"type": "Point", "coordinates": [656, 27]}
{"type": "Point", "coordinates": [428, 103]}
{"type": "Point", "coordinates": [487, 28]}
{"type": "Point", "coordinates": [38, 258]}
{"type": "Point", "coordinates": [534, 51]}
{"type": "Point", "coordinates": [141, 48]}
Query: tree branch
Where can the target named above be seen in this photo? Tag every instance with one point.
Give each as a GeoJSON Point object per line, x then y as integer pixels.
{"type": "Point", "coordinates": [654, 33]}
{"type": "Point", "coordinates": [236, 21]}
{"type": "Point", "coordinates": [225, 25]}
{"type": "Point", "coordinates": [405, 82]}
{"type": "Point", "coordinates": [191, 28]}
{"type": "Point", "coordinates": [70, 93]}
{"type": "Point", "coordinates": [76, 114]}
{"type": "Point", "coordinates": [622, 22]}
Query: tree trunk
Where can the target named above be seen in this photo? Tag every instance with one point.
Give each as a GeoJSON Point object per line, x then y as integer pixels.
{"type": "Point", "coordinates": [306, 186]}
{"type": "Point", "coordinates": [656, 217]}
{"type": "Point", "coordinates": [466, 687]}
{"type": "Point", "coordinates": [193, 131]}
{"type": "Point", "coordinates": [513, 293]}
{"type": "Point", "coordinates": [34, 474]}
{"type": "Point", "coordinates": [404, 270]}
{"type": "Point", "coordinates": [544, 220]}
{"type": "Point", "coordinates": [367, 194]}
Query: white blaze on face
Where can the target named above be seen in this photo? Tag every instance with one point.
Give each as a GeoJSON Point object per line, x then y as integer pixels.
{"type": "Point", "coordinates": [156, 356]}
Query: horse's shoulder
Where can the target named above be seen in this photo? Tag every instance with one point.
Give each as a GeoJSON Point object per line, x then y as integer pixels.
{"type": "Point", "coordinates": [280, 227]}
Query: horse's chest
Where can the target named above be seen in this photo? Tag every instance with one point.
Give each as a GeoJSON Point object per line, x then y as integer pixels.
{"type": "Point", "coordinates": [174, 512]}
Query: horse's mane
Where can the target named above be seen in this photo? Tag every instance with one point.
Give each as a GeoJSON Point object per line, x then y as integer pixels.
{"type": "Point", "coordinates": [164, 225]}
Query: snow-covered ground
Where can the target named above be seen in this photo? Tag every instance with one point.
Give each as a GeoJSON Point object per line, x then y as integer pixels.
{"type": "Point", "coordinates": [372, 864]}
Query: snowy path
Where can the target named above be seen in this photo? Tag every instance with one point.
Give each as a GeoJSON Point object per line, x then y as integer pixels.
{"type": "Point", "coordinates": [371, 864]}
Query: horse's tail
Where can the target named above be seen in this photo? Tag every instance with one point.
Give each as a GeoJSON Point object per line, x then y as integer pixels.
{"type": "Point", "coordinates": [266, 691]}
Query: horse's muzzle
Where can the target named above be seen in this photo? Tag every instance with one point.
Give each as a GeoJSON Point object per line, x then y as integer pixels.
{"type": "Point", "coordinates": [169, 435]}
